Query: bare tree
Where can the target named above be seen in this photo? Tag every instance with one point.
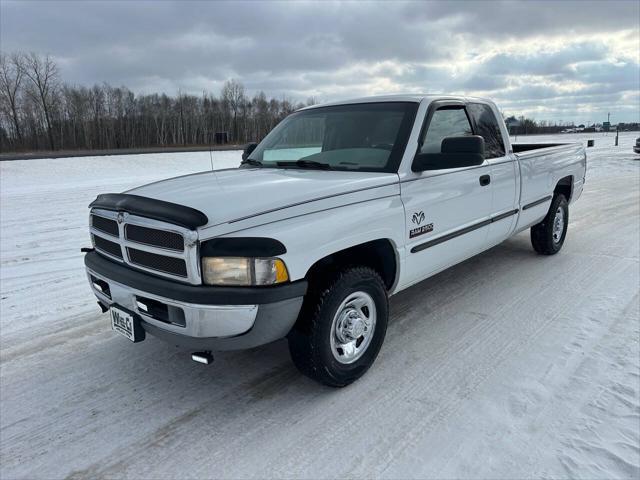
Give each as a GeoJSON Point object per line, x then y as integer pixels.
{"type": "Point", "coordinates": [43, 74]}
{"type": "Point", "coordinates": [39, 111]}
{"type": "Point", "coordinates": [233, 96]}
{"type": "Point", "coordinates": [11, 74]}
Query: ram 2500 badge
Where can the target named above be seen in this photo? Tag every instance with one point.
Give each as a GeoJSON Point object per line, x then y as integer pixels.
{"type": "Point", "coordinates": [341, 206]}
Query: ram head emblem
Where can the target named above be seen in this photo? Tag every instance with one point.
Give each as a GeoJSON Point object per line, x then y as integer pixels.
{"type": "Point", "coordinates": [418, 218]}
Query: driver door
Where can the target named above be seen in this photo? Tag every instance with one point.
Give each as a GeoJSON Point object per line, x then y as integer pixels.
{"type": "Point", "coordinates": [447, 210]}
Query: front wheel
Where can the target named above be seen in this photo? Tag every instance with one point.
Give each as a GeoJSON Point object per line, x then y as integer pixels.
{"type": "Point", "coordinates": [345, 328]}
{"type": "Point", "coordinates": [548, 236]}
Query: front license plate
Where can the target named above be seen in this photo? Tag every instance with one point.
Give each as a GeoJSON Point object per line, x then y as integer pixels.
{"type": "Point", "coordinates": [126, 324]}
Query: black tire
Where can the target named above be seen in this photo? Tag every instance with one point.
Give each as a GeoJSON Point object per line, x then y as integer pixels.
{"type": "Point", "coordinates": [310, 340]}
{"type": "Point", "coordinates": [542, 235]}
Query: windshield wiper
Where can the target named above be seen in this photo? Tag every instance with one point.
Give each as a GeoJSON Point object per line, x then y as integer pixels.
{"type": "Point", "coordinates": [252, 162]}
{"type": "Point", "coordinates": [305, 164]}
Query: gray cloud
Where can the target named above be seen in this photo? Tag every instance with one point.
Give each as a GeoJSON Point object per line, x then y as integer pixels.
{"type": "Point", "coordinates": [544, 62]}
{"type": "Point", "coordinates": [335, 50]}
{"type": "Point", "coordinates": [521, 19]}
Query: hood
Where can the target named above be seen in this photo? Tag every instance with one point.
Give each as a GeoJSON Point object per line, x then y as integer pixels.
{"type": "Point", "coordinates": [233, 194]}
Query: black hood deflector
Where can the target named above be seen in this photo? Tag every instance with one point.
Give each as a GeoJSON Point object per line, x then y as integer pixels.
{"type": "Point", "coordinates": [151, 208]}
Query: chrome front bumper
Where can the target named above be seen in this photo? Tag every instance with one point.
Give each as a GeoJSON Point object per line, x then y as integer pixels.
{"type": "Point", "coordinates": [204, 326]}
{"type": "Point", "coordinates": [200, 321]}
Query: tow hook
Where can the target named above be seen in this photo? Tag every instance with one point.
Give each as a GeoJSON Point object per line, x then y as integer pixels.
{"type": "Point", "coordinates": [205, 358]}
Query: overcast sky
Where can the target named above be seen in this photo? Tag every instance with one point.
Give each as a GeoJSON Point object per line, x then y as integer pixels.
{"type": "Point", "coordinates": [572, 60]}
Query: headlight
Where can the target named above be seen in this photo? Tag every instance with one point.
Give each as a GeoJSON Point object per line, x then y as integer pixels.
{"type": "Point", "coordinates": [243, 271]}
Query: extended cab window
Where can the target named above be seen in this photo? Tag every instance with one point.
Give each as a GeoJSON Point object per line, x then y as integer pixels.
{"type": "Point", "coordinates": [487, 126]}
{"type": "Point", "coordinates": [445, 122]}
{"type": "Point", "coordinates": [368, 137]}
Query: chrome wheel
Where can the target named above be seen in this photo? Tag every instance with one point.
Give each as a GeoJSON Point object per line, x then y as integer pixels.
{"type": "Point", "coordinates": [558, 225]}
{"type": "Point", "coordinates": [352, 327]}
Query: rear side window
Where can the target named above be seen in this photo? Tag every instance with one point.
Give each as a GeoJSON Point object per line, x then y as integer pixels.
{"type": "Point", "coordinates": [487, 126]}
{"type": "Point", "coordinates": [446, 122]}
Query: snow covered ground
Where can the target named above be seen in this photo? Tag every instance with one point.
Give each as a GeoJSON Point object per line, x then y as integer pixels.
{"type": "Point", "coordinates": [510, 365]}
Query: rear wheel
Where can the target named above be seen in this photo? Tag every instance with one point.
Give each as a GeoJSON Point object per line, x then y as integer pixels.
{"type": "Point", "coordinates": [346, 324]}
{"type": "Point", "coordinates": [547, 237]}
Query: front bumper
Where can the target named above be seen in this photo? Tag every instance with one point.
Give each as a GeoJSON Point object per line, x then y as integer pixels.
{"type": "Point", "coordinates": [202, 317]}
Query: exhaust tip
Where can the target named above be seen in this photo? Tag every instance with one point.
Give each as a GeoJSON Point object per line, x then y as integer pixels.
{"type": "Point", "coordinates": [206, 358]}
{"type": "Point", "coordinates": [103, 307]}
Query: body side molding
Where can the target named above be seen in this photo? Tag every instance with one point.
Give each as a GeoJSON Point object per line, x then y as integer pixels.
{"type": "Point", "coordinates": [462, 231]}
{"type": "Point", "coordinates": [537, 202]}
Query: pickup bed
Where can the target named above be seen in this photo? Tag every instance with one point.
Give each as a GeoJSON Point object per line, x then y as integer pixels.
{"type": "Point", "coordinates": [341, 206]}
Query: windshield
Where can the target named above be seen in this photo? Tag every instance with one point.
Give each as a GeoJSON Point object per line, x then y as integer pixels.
{"type": "Point", "coordinates": [367, 137]}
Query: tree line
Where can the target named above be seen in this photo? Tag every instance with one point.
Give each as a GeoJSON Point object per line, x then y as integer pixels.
{"type": "Point", "coordinates": [528, 126]}
{"type": "Point", "coordinates": [39, 111]}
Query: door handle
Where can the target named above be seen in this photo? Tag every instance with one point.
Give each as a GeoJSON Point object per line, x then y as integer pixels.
{"type": "Point", "coordinates": [485, 180]}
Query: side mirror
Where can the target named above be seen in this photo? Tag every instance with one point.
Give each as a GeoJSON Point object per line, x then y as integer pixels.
{"type": "Point", "coordinates": [456, 152]}
{"type": "Point", "coordinates": [250, 147]}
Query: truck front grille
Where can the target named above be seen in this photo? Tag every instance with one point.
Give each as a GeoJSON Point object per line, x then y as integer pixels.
{"type": "Point", "coordinates": [157, 238]}
{"type": "Point", "coordinates": [105, 225]}
{"type": "Point", "coordinates": [107, 246]}
{"type": "Point", "coordinates": [171, 265]}
{"type": "Point", "coordinates": [157, 247]}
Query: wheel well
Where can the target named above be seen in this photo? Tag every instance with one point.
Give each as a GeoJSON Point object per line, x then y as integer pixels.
{"type": "Point", "coordinates": [565, 187]}
{"type": "Point", "coordinates": [377, 254]}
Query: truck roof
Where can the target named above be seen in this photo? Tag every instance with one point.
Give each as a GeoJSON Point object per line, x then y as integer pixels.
{"type": "Point", "coordinates": [410, 97]}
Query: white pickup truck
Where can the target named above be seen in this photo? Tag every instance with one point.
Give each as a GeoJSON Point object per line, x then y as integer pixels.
{"type": "Point", "coordinates": [341, 206]}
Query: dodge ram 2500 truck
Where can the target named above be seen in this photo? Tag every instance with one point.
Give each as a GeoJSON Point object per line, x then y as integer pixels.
{"type": "Point", "coordinates": [339, 207]}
